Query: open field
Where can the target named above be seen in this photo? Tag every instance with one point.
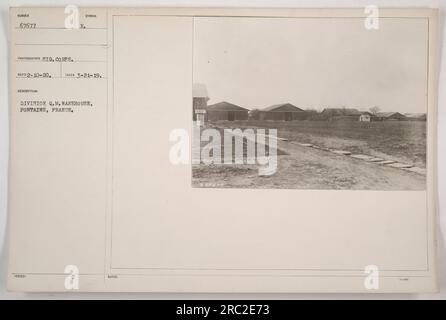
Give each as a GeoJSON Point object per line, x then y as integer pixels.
{"type": "Point", "coordinates": [301, 167]}
{"type": "Point", "coordinates": [403, 141]}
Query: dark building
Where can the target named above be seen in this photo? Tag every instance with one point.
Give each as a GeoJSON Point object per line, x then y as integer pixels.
{"type": "Point", "coordinates": [390, 116]}
{"type": "Point", "coordinates": [281, 112]}
{"type": "Point", "coordinates": [199, 103]}
{"type": "Point", "coordinates": [416, 116]}
{"type": "Point", "coordinates": [349, 114]}
{"type": "Point", "coordinates": [226, 111]}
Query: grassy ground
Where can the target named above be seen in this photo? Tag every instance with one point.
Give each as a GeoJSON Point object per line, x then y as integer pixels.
{"type": "Point", "coordinates": [308, 168]}
{"type": "Point", "coordinates": [403, 141]}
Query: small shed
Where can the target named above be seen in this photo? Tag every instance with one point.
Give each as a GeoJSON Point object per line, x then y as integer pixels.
{"type": "Point", "coordinates": [365, 117]}
{"type": "Point", "coordinates": [282, 112]}
{"type": "Point", "coordinates": [226, 111]}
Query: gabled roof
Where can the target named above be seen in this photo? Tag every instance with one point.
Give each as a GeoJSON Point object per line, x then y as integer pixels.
{"type": "Point", "coordinates": [415, 115]}
{"type": "Point", "coordinates": [342, 111]}
{"type": "Point", "coordinates": [389, 114]}
{"type": "Point", "coordinates": [199, 91]}
{"type": "Point", "coordinates": [225, 106]}
{"type": "Point", "coordinates": [285, 107]}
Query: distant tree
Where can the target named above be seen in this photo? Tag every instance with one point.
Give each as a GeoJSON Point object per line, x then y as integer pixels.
{"type": "Point", "coordinates": [312, 114]}
{"type": "Point", "coordinates": [375, 110]}
{"type": "Point", "coordinates": [343, 110]}
{"type": "Point", "coordinates": [254, 114]}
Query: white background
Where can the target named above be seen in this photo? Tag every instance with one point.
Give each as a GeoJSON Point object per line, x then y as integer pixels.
{"type": "Point", "coordinates": [4, 139]}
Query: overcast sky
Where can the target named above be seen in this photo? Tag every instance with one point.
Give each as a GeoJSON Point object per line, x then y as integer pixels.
{"type": "Point", "coordinates": [313, 63]}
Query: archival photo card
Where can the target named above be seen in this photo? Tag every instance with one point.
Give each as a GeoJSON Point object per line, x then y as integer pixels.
{"type": "Point", "coordinates": [310, 103]}
{"type": "Point", "coordinates": [222, 150]}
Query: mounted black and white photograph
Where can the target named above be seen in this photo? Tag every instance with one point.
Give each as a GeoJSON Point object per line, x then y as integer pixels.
{"type": "Point", "coordinates": [310, 103]}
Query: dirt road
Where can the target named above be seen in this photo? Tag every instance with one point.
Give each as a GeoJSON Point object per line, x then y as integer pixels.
{"type": "Point", "coordinates": [310, 168]}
